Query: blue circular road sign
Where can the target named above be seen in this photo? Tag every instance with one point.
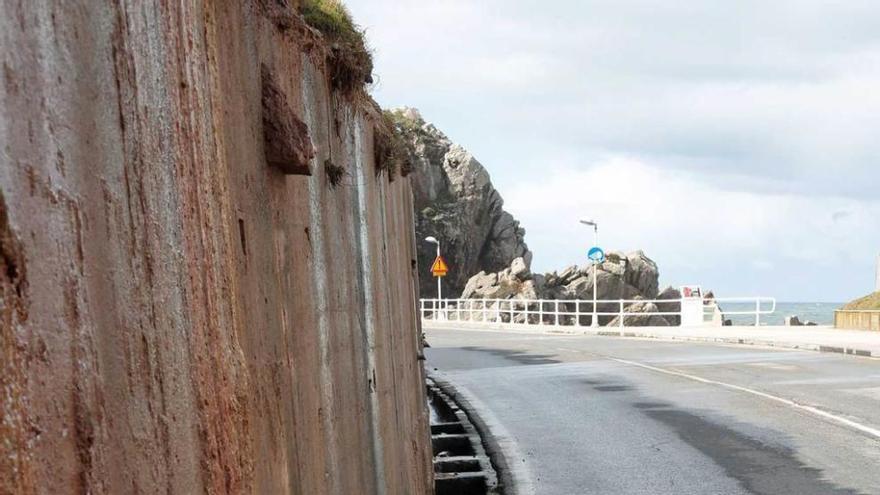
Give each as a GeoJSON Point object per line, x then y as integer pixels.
{"type": "Point", "coordinates": [596, 255]}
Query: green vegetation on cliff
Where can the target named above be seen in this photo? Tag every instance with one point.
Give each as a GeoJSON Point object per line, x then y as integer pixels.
{"type": "Point", "coordinates": [871, 301]}
{"type": "Point", "coordinates": [392, 152]}
{"type": "Point", "coordinates": [350, 61]}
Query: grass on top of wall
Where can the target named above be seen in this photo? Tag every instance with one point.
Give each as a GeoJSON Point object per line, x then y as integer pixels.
{"type": "Point", "coordinates": [871, 301]}
{"type": "Point", "coordinates": [350, 61]}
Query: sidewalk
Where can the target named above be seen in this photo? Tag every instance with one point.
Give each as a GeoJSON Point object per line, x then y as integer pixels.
{"type": "Point", "coordinates": [822, 338]}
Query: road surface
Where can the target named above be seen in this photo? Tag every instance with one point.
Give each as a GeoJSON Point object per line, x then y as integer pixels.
{"type": "Point", "coordinates": [604, 415]}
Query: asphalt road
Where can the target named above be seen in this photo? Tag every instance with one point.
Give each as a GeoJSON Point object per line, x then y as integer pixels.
{"type": "Point", "coordinates": [603, 415]}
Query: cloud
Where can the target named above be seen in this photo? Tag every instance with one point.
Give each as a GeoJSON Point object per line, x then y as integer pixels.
{"type": "Point", "coordinates": [764, 113]}
{"type": "Point", "coordinates": [693, 229]}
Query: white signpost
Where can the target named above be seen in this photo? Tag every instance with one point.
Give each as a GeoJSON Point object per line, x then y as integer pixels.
{"type": "Point", "coordinates": [597, 256]}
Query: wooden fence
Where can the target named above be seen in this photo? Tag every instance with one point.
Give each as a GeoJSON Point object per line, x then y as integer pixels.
{"type": "Point", "coordinates": [857, 319]}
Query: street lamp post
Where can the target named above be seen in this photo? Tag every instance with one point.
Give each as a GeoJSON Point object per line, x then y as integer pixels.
{"type": "Point", "coordinates": [433, 240]}
{"type": "Point", "coordinates": [595, 319]}
{"type": "Point", "coordinates": [877, 283]}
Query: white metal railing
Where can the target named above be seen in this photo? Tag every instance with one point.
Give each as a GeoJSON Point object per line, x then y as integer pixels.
{"type": "Point", "coordinates": [579, 312]}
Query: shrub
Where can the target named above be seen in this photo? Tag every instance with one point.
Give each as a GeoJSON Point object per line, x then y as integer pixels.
{"type": "Point", "coordinates": [334, 173]}
{"type": "Point", "coordinates": [390, 147]}
{"type": "Point", "coordinates": [350, 61]}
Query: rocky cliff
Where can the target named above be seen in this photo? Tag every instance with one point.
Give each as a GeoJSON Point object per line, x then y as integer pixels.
{"type": "Point", "coordinates": [456, 202]}
{"type": "Point", "coordinates": [206, 278]}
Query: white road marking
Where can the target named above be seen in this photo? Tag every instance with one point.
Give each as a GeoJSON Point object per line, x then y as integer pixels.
{"type": "Point", "coordinates": [873, 432]}
{"type": "Point", "coordinates": [774, 366]}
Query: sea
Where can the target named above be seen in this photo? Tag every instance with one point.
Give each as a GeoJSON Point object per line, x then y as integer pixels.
{"type": "Point", "coordinates": [821, 313]}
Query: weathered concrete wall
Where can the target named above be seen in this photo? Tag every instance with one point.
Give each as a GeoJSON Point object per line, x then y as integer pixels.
{"type": "Point", "coordinates": [178, 316]}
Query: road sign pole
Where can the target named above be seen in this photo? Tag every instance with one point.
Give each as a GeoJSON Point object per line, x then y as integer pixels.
{"type": "Point", "coordinates": [442, 314]}
{"type": "Point", "coordinates": [438, 269]}
{"type": "Point", "coordinates": [439, 287]}
{"type": "Point", "coordinates": [595, 322]}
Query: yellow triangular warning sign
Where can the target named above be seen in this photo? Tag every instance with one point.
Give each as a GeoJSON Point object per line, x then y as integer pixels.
{"type": "Point", "coordinates": [439, 268]}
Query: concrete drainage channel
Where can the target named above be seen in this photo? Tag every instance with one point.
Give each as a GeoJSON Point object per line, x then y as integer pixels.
{"type": "Point", "coordinates": [461, 466]}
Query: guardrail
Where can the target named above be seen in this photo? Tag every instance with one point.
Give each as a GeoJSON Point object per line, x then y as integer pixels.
{"type": "Point", "coordinates": [579, 312]}
{"type": "Point", "coordinates": [857, 319]}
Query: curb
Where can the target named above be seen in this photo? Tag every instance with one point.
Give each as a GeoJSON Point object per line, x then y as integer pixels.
{"type": "Point", "coordinates": [459, 475]}
{"type": "Point", "coordinates": [745, 341]}
{"type": "Point", "coordinates": [495, 453]}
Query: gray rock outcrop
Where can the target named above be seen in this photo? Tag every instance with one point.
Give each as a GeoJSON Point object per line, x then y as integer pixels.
{"type": "Point", "coordinates": [621, 276]}
{"type": "Point", "coordinates": [514, 282]}
{"type": "Point", "coordinates": [455, 201]}
{"type": "Point", "coordinates": [645, 318]}
{"type": "Point", "coordinates": [793, 321]}
{"type": "Point", "coordinates": [670, 293]}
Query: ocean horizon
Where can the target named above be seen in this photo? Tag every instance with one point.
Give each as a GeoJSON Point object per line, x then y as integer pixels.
{"type": "Point", "coordinates": [821, 313]}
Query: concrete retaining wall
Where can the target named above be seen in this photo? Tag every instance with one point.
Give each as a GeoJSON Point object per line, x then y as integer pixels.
{"type": "Point", "coordinates": [857, 320]}
{"type": "Point", "coordinates": [177, 316]}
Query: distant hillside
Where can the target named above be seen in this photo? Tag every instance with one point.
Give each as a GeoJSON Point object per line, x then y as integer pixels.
{"type": "Point", "coordinates": [871, 301]}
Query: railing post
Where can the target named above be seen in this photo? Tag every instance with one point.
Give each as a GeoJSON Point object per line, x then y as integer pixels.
{"type": "Point", "coordinates": [577, 312]}
{"type": "Point", "coordinates": [621, 317]}
{"type": "Point", "coordinates": [526, 302]}
{"type": "Point", "coordinates": [511, 312]}
{"type": "Point", "coordinates": [540, 311]}
{"type": "Point", "coordinates": [484, 312]}
{"type": "Point", "coordinates": [757, 313]}
{"type": "Point", "coordinates": [556, 310]}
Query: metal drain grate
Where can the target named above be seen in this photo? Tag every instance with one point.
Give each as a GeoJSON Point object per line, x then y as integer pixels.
{"type": "Point", "coordinates": [461, 466]}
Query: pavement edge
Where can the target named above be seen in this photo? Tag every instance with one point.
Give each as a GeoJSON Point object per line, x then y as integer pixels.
{"type": "Point", "coordinates": [510, 481]}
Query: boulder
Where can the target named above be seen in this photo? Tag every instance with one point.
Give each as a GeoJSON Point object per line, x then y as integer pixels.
{"type": "Point", "coordinates": [792, 321]}
{"type": "Point", "coordinates": [479, 284]}
{"type": "Point", "coordinates": [670, 293]}
{"type": "Point", "coordinates": [567, 275]}
{"type": "Point", "coordinates": [502, 285]}
{"type": "Point", "coordinates": [519, 269]}
{"type": "Point", "coordinates": [615, 276]}
{"type": "Point", "coordinates": [641, 272]}
{"type": "Point", "coordinates": [646, 319]}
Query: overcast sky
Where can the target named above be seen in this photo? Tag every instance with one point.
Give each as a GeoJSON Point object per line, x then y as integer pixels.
{"type": "Point", "coordinates": [736, 143]}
